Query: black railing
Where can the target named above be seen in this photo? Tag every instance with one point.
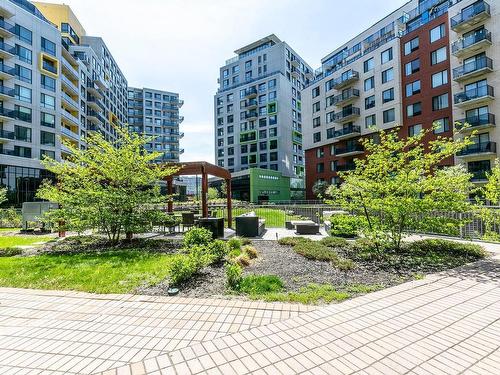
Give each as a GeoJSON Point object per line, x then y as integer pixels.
{"type": "Point", "coordinates": [350, 75]}
{"type": "Point", "coordinates": [476, 9]}
{"type": "Point", "coordinates": [345, 167]}
{"type": "Point", "coordinates": [476, 93]}
{"type": "Point", "coordinates": [6, 134]}
{"type": "Point", "coordinates": [347, 130]}
{"type": "Point", "coordinates": [478, 120]}
{"type": "Point", "coordinates": [349, 94]}
{"type": "Point", "coordinates": [345, 113]}
{"type": "Point", "coordinates": [471, 40]}
{"type": "Point", "coordinates": [478, 64]}
{"type": "Point", "coordinates": [479, 148]}
{"type": "Point", "coordinates": [348, 149]}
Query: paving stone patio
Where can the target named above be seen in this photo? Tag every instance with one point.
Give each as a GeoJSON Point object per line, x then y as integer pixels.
{"type": "Point", "coordinates": [447, 323]}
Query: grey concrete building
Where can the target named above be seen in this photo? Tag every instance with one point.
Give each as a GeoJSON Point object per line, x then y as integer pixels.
{"type": "Point", "coordinates": [155, 113]}
{"type": "Point", "coordinates": [257, 109]}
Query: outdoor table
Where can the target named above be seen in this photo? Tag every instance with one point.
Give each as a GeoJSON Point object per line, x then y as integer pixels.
{"type": "Point", "coordinates": [213, 224]}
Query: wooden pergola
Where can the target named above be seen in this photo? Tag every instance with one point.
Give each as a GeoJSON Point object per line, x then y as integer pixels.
{"type": "Point", "coordinates": [204, 169]}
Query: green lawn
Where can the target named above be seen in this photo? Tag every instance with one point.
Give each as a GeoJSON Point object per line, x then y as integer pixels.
{"type": "Point", "coordinates": [274, 217]}
{"type": "Point", "coordinates": [10, 229]}
{"type": "Point", "coordinates": [12, 241]}
{"type": "Point", "coordinates": [104, 272]}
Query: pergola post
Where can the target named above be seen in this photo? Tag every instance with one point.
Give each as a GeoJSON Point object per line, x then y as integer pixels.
{"type": "Point", "coordinates": [229, 204]}
{"type": "Point", "coordinates": [170, 204]}
{"type": "Point", "coordinates": [204, 191]}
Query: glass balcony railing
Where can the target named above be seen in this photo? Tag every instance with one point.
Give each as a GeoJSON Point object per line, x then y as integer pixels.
{"type": "Point", "coordinates": [460, 45]}
{"type": "Point", "coordinates": [7, 48]}
{"type": "Point", "coordinates": [251, 103]}
{"type": "Point", "coordinates": [251, 114]}
{"type": "Point", "coordinates": [345, 167]}
{"type": "Point", "coordinates": [69, 133]}
{"type": "Point", "coordinates": [69, 100]}
{"type": "Point", "coordinates": [7, 91]}
{"type": "Point", "coordinates": [478, 120]}
{"type": "Point", "coordinates": [356, 148]}
{"type": "Point", "coordinates": [4, 112]}
{"type": "Point", "coordinates": [346, 114]}
{"type": "Point", "coordinates": [482, 63]}
{"type": "Point", "coordinates": [472, 94]}
{"type": "Point", "coordinates": [345, 79]}
{"type": "Point", "coordinates": [348, 130]}
{"type": "Point", "coordinates": [469, 14]}
{"type": "Point", "coordinates": [479, 148]}
{"type": "Point", "coordinates": [251, 91]}
{"type": "Point", "coordinates": [49, 67]}
{"type": "Point", "coordinates": [4, 25]}
{"type": "Point", "coordinates": [6, 134]}
{"type": "Point", "coordinates": [346, 96]}
{"type": "Point", "coordinates": [8, 70]}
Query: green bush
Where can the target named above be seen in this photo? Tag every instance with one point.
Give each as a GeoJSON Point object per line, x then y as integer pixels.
{"type": "Point", "coordinates": [197, 236]}
{"type": "Point", "coordinates": [200, 256]}
{"type": "Point", "coordinates": [427, 246]}
{"type": "Point", "coordinates": [243, 260]}
{"type": "Point", "coordinates": [334, 242]}
{"type": "Point", "coordinates": [218, 250]}
{"type": "Point", "coordinates": [316, 250]}
{"type": "Point", "coordinates": [10, 218]}
{"type": "Point", "coordinates": [181, 269]}
{"type": "Point", "coordinates": [233, 275]}
{"type": "Point", "coordinates": [261, 284]}
{"type": "Point", "coordinates": [10, 251]}
{"type": "Point", "coordinates": [344, 264]}
{"type": "Point", "coordinates": [346, 226]}
{"type": "Point", "coordinates": [235, 243]}
{"type": "Point", "coordinates": [292, 241]}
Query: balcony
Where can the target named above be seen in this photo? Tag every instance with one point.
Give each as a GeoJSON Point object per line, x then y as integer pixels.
{"type": "Point", "coordinates": [94, 104]}
{"type": "Point", "coordinates": [6, 136]}
{"type": "Point", "coordinates": [295, 63]}
{"type": "Point", "coordinates": [470, 17]}
{"type": "Point", "coordinates": [68, 85]}
{"type": "Point", "coordinates": [6, 71]}
{"type": "Point", "coordinates": [181, 119]}
{"type": "Point", "coordinates": [251, 92]}
{"type": "Point", "coordinates": [481, 148]}
{"type": "Point", "coordinates": [251, 115]}
{"type": "Point", "coordinates": [347, 132]}
{"type": "Point", "coordinates": [350, 150]}
{"type": "Point", "coordinates": [5, 12]}
{"type": "Point", "coordinates": [6, 50]}
{"type": "Point", "coordinates": [7, 114]}
{"type": "Point", "coordinates": [49, 67]}
{"type": "Point", "coordinates": [251, 104]}
{"type": "Point", "coordinates": [69, 118]}
{"type": "Point", "coordinates": [482, 121]}
{"type": "Point", "coordinates": [471, 44]}
{"type": "Point", "coordinates": [346, 97]}
{"type": "Point", "coordinates": [346, 79]}
{"type": "Point", "coordinates": [477, 96]}
{"type": "Point", "coordinates": [295, 73]}
{"type": "Point", "coordinates": [70, 134]}
{"type": "Point", "coordinates": [69, 102]}
{"type": "Point", "coordinates": [479, 176]}
{"type": "Point", "coordinates": [7, 30]}
{"type": "Point", "coordinates": [346, 114]}
{"type": "Point", "coordinates": [99, 81]}
{"type": "Point", "coordinates": [473, 69]}
{"type": "Point", "coordinates": [346, 167]}
{"type": "Point", "coordinates": [94, 90]}
{"type": "Point", "coordinates": [95, 117]}
{"type": "Point", "coordinates": [7, 92]}
{"type": "Point", "coordinates": [69, 70]}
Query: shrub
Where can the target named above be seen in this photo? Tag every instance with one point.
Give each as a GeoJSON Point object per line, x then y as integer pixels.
{"type": "Point", "coordinates": [315, 250]}
{"type": "Point", "coordinates": [10, 218]}
{"type": "Point", "coordinates": [243, 260]}
{"type": "Point", "coordinates": [261, 284]}
{"type": "Point", "coordinates": [346, 226]}
{"type": "Point", "coordinates": [235, 243]}
{"type": "Point", "coordinates": [250, 251]}
{"type": "Point", "coordinates": [200, 256]}
{"type": "Point", "coordinates": [233, 275]}
{"type": "Point", "coordinates": [218, 250]}
{"type": "Point", "coordinates": [467, 250]}
{"type": "Point", "coordinates": [292, 241]}
{"type": "Point", "coordinates": [181, 269]}
{"type": "Point", "coordinates": [246, 241]}
{"type": "Point", "coordinates": [10, 251]}
{"type": "Point", "coordinates": [334, 242]}
{"type": "Point", "coordinates": [197, 236]}
{"type": "Point", "coordinates": [344, 264]}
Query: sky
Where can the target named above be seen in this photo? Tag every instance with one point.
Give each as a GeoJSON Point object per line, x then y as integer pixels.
{"type": "Point", "coordinates": [179, 45]}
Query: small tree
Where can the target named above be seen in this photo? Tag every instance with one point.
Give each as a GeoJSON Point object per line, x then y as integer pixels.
{"type": "Point", "coordinates": [400, 182]}
{"type": "Point", "coordinates": [320, 189]}
{"type": "Point", "coordinates": [491, 193]}
{"type": "Point", "coordinates": [112, 186]}
{"type": "Point", "coordinates": [3, 195]}
{"type": "Point", "coordinates": [212, 194]}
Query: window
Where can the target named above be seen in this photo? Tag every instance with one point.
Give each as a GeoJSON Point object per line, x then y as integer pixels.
{"type": "Point", "coordinates": [273, 132]}
{"type": "Point", "coordinates": [387, 75]}
{"type": "Point", "coordinates": [24, 74]}
{"type": "Point", "coordinates": [320, 167]}
{"type": "Point", "coordinates": [316, 122]}
{"type": "Point", "coordinates": [24, 54]}
{"type": "Point", "coordinates": [412, 88]}
{"type": "Point", "coordinates": [442, 125]}
{"type": "Point", "coordinates": [47, 119]}
{"type": "Point", "coordinates": [47, 153]}
{"type": "Point", "coordinates": [316, 107]}
{"type": "Point", "coordinates": [412, 67]}
{"type": "Point", "coordinates": [48, 46]}
{"type": "Point", "coordinates": [370, 121]}
{"type": "Point", "coordinates": [388, 95]}
{"type": "Point", "coordinates": [22, 133]}
{"type": "Point", "coordinates": [411, 46]}
{"type": "Point", "coordinates": [386, 56]}
{"type": "Point", "coordinates": [369, 65]}
{"type": "Point", "coordinates": [273, 144]}
{"type": "Point", "coordinates": [23, 113]}
{"type": "Point", "coordinates": [330, 116]}
{"type": "Point", "coordinates": [414, 109]}
{"type": "Point", "coordinates": [438, 56]}
{"type": "Point", "coordinates": [271, 83]}
{"type": "Point", "coordinates": [317, 137]}
{"type": "Point", "coordinates": [23, 93]}
{"type": "Point", "coordinates": [330, 133]}
{"type": "Point", "coordinates": [329, 85]}
{"type": "Point", "coordinates": [440, 102]}
{"type": "Point", "coordinates": [47, 138]}
{"type": "Point", "coordinates": [320, 152]}
{"type": "Point", "coordinates": [437, 33]}
{"type": "Point", "coordinates": [414, 130]}
{"type": "Point", "coordinates": [370, 102]}
{"type": "Point", "coordinates": [369, 83]}
{"type": "Point", "coordinates": [23, 34]}
{"type": "Point", "coordinates": [315, 92]}
{"type": "Point", "coordinates": [248, 64]}
{"type": "Point", "coordinates": [236, 69]}
{"type": "Point", "coordinates": [225, 73]}
{"type": "Point", "coordinates": [47, 101]}
{"type": "Point", "coordinates": [273, 156]}
{"type": "Point", "coordinates": [440, 78]}
{"type": "Point", "coordinates": [389, 115]}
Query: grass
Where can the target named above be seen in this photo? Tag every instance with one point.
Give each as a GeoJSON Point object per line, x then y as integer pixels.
{"type": "Point", "coordinates": [274, 217]}
{"type": "Point", "coordinates": [261, 284]}
{"type": "Point", "coordinates": [10, 229]}
{"type": "Point", "coordinates": [316, 251]}
{"type": "Point", "coordinates": [97, 272]}
{"type": "Point", "coordinates": [13, 241]}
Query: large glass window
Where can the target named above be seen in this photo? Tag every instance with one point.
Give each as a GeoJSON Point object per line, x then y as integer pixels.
{"type": "Point", "coordinates": [437, 33]}
{"type": "Point", "coordinates": [23, 74]}
{"type": "Point", "coordinates": [24, 54]}
{"type": "Point", "coordinates": [387, 75]}
{"type": "Point", "coordinates": [369, 83]}
{"type": "Point", "coordinates": [440, 78]}
{"type": "Point", "coordinates": [23, 113]}
{"type": "Point", "coordinates": [413, 88]}
{"type": "Point", "coordinates": [411, 46]}
{"type": "Point", "coordinates": [369, 65]}
{"type": "Point", "coordinates": [24, 34]}
{"type": "Point", "coordinates": [438, 56]}
{"type": "Point", "coordinates": [47, 138]}
{"type": "Point", "coordinates": [48, 83]}
{"type": "Point", "coordinates": [388, 95]}
{"type": "Point", "coordinates": [389, 115]}
{"type": "Point", "coordinates": [48, 46]}
{"type": "Point", "coordinates": [440, 102]}
{"type": "Point", "coordinates": [22, 133]}
{"type": "Point", "coordinates": [47, 119]}
{"type": "Point", "coordinates": [47, 101]}
{"type": "Point", "coordinates": [414, 109]}
{"type": "Point", "coordinates": [386, 56]}
{"type": "Point", "coordinates": [412, 67]}
{"type": "Point", "coordinates": [23, 93]}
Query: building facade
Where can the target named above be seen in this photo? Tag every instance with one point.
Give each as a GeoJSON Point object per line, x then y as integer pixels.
{"type": "Point", "coordinates": [429, 62]}
{"type": "Point", "coordinates": [155, 113]}
{"type": "Point", "coordinates": [258, 109]}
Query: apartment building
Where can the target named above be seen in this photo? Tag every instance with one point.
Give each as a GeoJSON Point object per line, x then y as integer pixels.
{"type": "Point", "coordinates": [258, 110]}
{"type": "Point", "coordinates": [155, 113]}
{"type": "Point", "coordinates": [428, 62]}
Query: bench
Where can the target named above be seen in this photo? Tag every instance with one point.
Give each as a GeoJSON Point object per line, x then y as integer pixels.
{"type": "Point", "coordinates": [249, 225]}
{"type": "Point", "coordinates": [307, 228]}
